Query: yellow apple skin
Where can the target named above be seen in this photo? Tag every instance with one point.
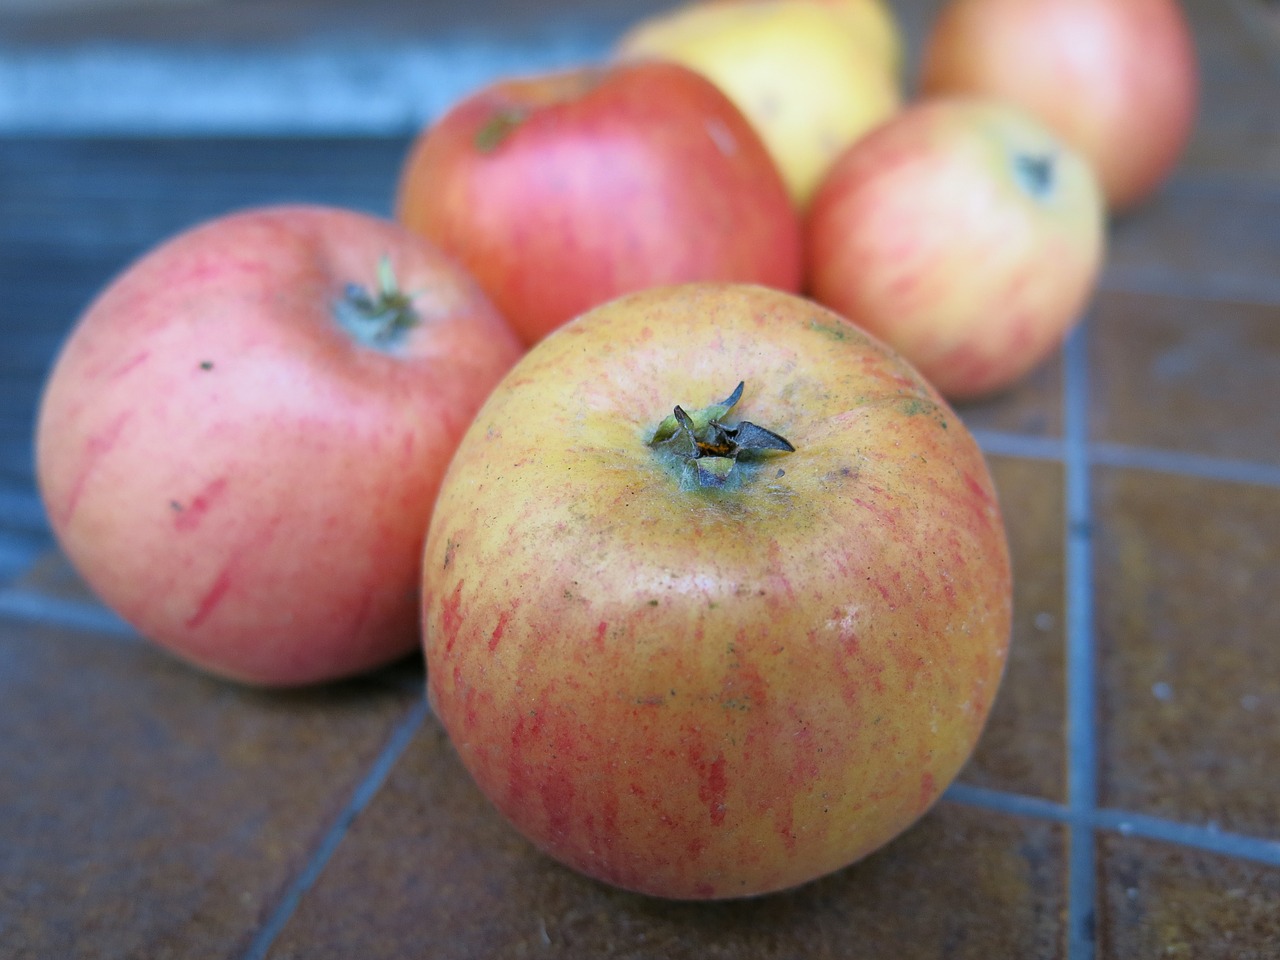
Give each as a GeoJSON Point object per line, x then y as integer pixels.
{"type": "Point", "coordinates": [811, 75]}
{"type": "Point", "coordinates": [708, 694]}
{"type": "Point", "coordinates": [963, 232]}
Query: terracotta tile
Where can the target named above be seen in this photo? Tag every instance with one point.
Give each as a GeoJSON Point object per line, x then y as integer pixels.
{"type": "Point", "coordinates": [1211, 239]}
{"type": "Point", "coordinates": [1031, 406]}
{"type": "Point", "coordinates": [1238, 46]}
{"type": "Point", "coordinates": [430, 867]}
{"type": "Point", "coordinates": [1195, 376]}
{"type": "Point", "coordinates": [1158, 900]}
{"type": "Point", "coordinates": [1187, 579]}
{"type": "Point", "coordinates": [149, 811]}
{"type": "Point", "coordinates": [1022, 750]}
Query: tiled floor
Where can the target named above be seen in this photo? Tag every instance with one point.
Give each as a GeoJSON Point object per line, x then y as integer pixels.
{"type": "Point", "coordinates": [1122, 803]}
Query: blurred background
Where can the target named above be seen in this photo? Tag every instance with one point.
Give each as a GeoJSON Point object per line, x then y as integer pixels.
{"type": "Point", "coordinates": [148, 811]}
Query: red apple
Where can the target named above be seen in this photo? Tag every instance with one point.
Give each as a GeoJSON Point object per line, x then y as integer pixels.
{"type": "Point", "coordinates": [811, 75]}
{"type": "Point", "coordinates": [562, 191]}
{"type": "Point", "coordinates": [1116, 78]}
{"type": "Point", "coordinates": [964, 233]}
{"type": "Point", "coordinates": [241, 441]}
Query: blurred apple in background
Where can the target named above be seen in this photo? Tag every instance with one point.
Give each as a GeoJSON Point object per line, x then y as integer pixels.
{"type": "Point", "coordinates": [561, 191]}
{"type": "Point", "coordinates": [875, 23]}
{"type": "Point", "coordinates": [811, 75]}
{"type": "Point", "coordinates": [1116, 78]}
{"type": "Point", "coordinates": [965, 234]}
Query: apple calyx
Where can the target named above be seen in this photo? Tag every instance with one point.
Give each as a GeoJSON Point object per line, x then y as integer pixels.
{"type": "Point", "coordinates": [1035, 173]}
{"type": "Point", "coordinates": [379, 320]}
{"type": "Point", "coordinates": [708, 449]}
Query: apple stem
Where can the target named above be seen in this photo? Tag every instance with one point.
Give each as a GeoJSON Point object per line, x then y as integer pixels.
{"type": "Point", "coordinates": [377, 320]}
{"type": "Point", "coordinates": [498, 127]}
{"type": "Point", "coordinates": [707, 449]}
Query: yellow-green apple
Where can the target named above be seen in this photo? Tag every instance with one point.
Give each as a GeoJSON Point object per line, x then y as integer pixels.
{"type": "Point", "coordinates": [964, 233]}
{"type": "Point", "coordinates": [703, 641]}
{"type": "Point", "coordinates": [811, 75]}
{"type": "Point", "coordinates": [240, 442]}
{"type": "Point", "coordinates": [564, 190]}
{"type": "Point", "coordinates": [1116, 78]}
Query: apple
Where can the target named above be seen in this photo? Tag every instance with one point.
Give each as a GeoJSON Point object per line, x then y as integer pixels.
{"type": "Point", "coordinates": [1116, 78]}
{"type": "Point", "coordinates": [564, 190]}
{"type": "Point", "coordinates": [701, 641]}
{"type": "Point", "coordinates": [239, 444]}
{"type": "Point", "coordinates": [811, 75]}
{"type": "Point", "coordinates": [965, 234]}
{"type": "Point", "coordinates": [875, 22]}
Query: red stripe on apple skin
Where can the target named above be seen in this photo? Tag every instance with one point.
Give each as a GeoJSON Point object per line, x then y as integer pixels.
{"type": "Point", "coordinates": [212, 597]}
{"type": "Point", "coordinates": [189, 516]}
{"type": "Point", "coordinates": [132, 363]}
{"type": "Point", "coordinates": [713, 784]}
{"type": "Point", "coordinates": [451, 617]}
{"type": "Point", "coordinates": [97, 447]}
{"type": "Point", "coordinates": [499, 629]}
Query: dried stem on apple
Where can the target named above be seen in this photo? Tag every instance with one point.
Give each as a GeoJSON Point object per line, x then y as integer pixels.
{"type": "Point", "coordinates": [1036, 173]}
{"type": "Point", "coordinates": [707, 448]}
{"type": "Point", "coordinates": [498, 127]}
{"type": "Point", "coordinates": [377, 320]}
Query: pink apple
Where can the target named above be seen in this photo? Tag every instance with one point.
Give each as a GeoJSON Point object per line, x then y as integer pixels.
{"type": "Point", "coordinates": [241, 441]}
{"type": "Point", "coordinates": [562, 191]}
{"type": "Point", "coordinates": [1116, 78]}
{"type": "Point", "coordinates": [965, 234]}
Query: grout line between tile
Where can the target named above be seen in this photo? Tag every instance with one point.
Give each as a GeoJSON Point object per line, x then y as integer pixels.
{"type": "Point", "coordinates": [1188, 464]}
{"type": "Point", "coordinates": [1002, 801]}
{"type": "Point", "coordinates": [1124, 822]}
{"type": "Point", "coordinates": [1082, 789]}
{"type": "Point", "coordinates": [1262, 291]}
{"type": "Point", "coordinates": [1209, 838]}
{"type": "Point", "coordinates": [1029, 446]}
{"type": "Point", "coordinates": [363, 793]}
